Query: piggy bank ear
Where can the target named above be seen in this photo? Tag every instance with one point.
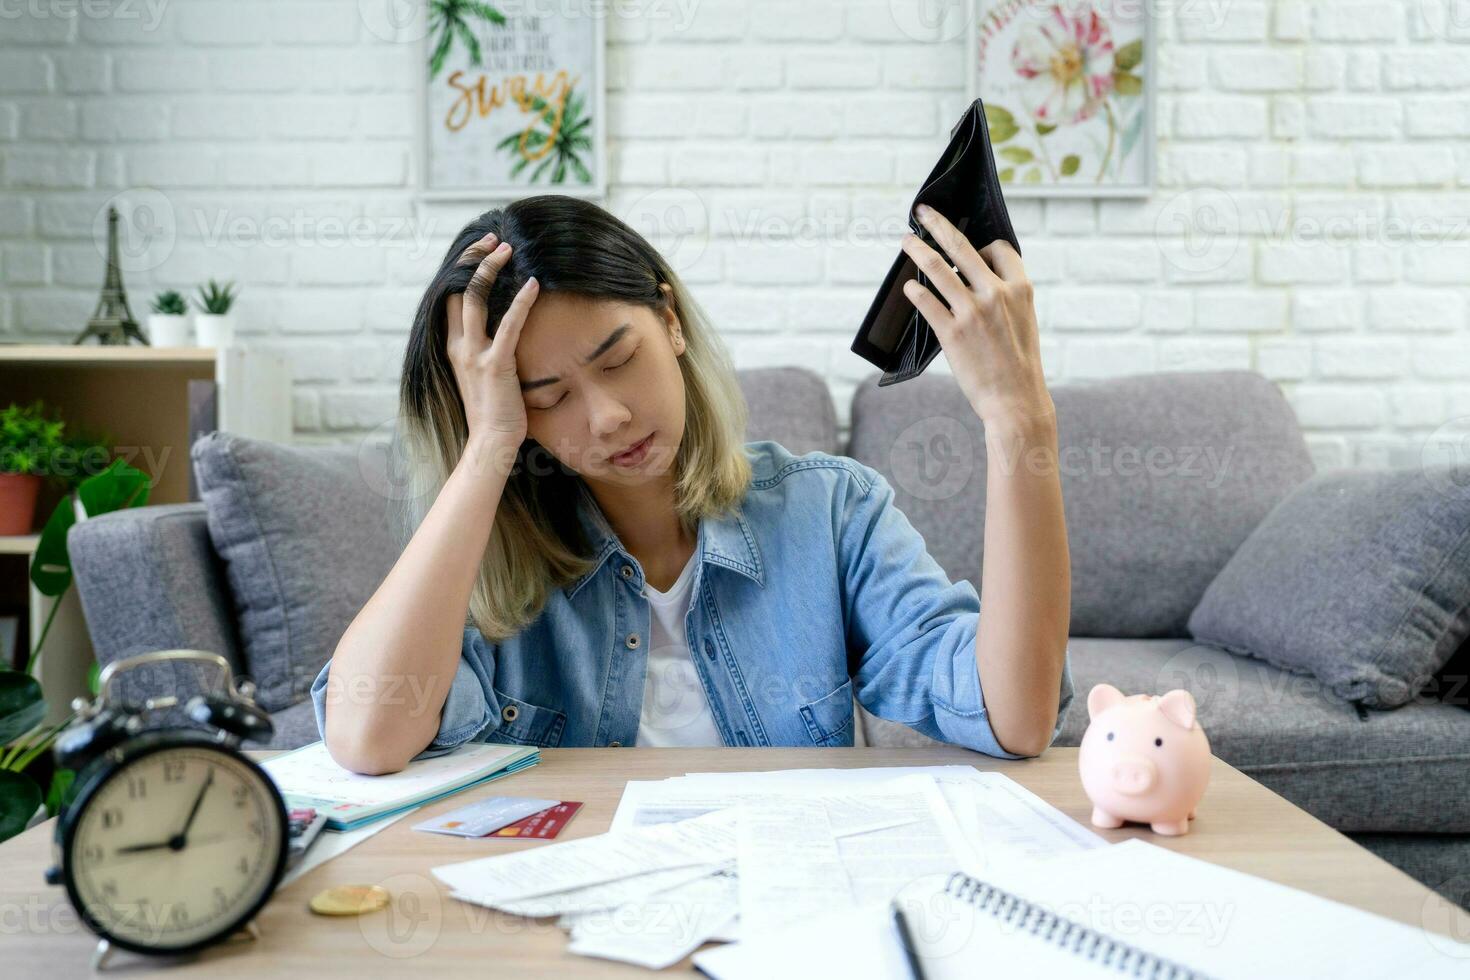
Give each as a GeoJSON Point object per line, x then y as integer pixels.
{"type": "Point", "coordinates": [1178, 707]}
{"type": "Point", "coordinates": [1101, 698]}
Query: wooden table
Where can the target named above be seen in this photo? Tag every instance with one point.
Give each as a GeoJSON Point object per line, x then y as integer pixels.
{"type": "Point", "coordinates": [1241, 825]}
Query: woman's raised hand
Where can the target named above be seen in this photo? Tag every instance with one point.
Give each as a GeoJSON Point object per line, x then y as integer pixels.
{"type": "Point", "coordinates": [485, 368]}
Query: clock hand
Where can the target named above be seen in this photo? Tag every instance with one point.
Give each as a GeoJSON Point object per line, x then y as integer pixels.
{"type": "Point", "coordinates": [142, 847]}
{"type": "Point", "coordinates": [182, 837]}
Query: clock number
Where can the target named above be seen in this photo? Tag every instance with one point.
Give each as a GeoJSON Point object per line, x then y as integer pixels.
{"type": "Point", "coordinates": [257, 829]}
{"type": "Point", "coordinates": [109, 888]}
{"type": "Point", "coordinates": [221, 901]}
{"type": "Point", "coordinates": [137, 788]}
{"type": "Point", "coordinates": [241, 794]}
{"type": "Point", "coordinates": [244, 864]}
{"type": "Point", "coordinates": [173, 770]}
{"type": "Point", "coordinates": [111, 817]}
{"type": "Point", "coordinates": [92, 852]}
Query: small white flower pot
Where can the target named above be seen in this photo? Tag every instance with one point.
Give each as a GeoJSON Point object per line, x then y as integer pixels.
{"type": "Point", "coordinates": [214, 329]}
{"type": "Point", "coordinates": [169, 330]}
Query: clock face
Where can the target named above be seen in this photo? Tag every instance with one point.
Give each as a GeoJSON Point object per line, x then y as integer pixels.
{"type": "Point", "coordinates": [178, 846]}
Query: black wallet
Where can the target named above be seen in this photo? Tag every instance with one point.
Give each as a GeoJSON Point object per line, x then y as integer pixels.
{"type": "Point", "coordinates": [965, 188]}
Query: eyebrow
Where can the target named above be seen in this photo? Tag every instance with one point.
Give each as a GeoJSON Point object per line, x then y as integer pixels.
{"type": "Point", "coordinates": [602, 348]}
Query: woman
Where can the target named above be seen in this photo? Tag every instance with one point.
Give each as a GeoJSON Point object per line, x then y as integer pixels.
{"type": "Point", "coordinates": [597, 557]}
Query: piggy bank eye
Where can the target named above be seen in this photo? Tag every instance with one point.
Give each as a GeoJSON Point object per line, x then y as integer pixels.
{"type": "Point", "coordinates": [1110, 736]}
{"type": "Point", "coordinates": [1158, 741]}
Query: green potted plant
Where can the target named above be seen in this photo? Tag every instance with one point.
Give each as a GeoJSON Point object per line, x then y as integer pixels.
{"type": "Point", "coordinates": [168, 324]}
{"type": "Point", "coordinates": [28, 441]}
{"type": "Point", "coordinates": [26, 764]}
{"type": "Point", "coordinates": [214, 325]}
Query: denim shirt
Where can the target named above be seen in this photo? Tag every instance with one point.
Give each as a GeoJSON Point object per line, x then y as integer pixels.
{"type": "Point", "coordinates": [817, 588]}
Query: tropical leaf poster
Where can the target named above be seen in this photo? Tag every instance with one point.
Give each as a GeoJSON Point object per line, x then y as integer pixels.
{"type": "Point", "coordinates": [1068, 92]}
{"type": "Point", "coordinates": [513, 100]}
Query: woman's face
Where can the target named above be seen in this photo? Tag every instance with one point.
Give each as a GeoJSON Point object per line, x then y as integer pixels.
{"type": "Point", "coordinates": [599, 377]}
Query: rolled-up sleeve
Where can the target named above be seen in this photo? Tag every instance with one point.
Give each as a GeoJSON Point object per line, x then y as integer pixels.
{"type": "Point", "coordinates": [469, 708]}
{"type": "Point", "coordinates": [910, 630]}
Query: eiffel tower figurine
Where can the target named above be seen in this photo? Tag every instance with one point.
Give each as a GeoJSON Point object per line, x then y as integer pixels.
{"type": "Point", "coordinates": [112, 322]}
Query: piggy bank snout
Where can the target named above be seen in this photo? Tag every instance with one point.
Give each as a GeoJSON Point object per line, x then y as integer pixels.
{"type": "Point", "coordinates": [1134, 775]}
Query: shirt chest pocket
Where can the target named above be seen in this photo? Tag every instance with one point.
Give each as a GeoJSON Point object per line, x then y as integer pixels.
{"type": "Point", "coordinates": [524, 723]}
{"type": "Point", "coordinates": [829, 718]}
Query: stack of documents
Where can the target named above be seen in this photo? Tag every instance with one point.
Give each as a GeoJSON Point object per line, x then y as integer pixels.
{"type": "Point", "coordinates": [712, 856]}
{"type": "Point", "coordinates": [310, 777]}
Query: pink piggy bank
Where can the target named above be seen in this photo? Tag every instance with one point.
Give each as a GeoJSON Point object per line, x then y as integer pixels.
{"type": "Point", "coordinates": [1143, 758]}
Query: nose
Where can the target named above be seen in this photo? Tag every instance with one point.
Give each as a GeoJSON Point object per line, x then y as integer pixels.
{"type": "Point", "coordinates": [1134, 775]}
{"type": "Point", "coordinates": [606, 414]}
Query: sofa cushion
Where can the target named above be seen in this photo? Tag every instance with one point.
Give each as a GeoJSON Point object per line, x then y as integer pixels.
{"type": "Point", "coordinates": [1163, 475]}
{"type": "Point", "coordinates": [1389, 772]}
{"type": "Point", "coordinates": [1361, 579]}
{"type": "Point", "coordinates": [304, 535]}
{"type": "Point", "coordinates": [792, 406]}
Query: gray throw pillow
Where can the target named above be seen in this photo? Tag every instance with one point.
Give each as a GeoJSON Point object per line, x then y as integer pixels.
{"type": "Point", "coordinates": [305, 538]}
{"type": "Point", "coordinates": [1359, 578]}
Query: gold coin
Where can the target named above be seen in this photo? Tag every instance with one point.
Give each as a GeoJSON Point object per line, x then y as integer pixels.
{"type": "Point", "coordinates": [349, 900]}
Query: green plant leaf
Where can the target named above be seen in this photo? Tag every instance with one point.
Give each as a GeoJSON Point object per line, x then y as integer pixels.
{"type": "Point", "coordinates": [61, 793]}
{"type": "Point", "coordinates": [51, 569]}
{"type": "Point", "coordinates": [1129, 55]}
{"type": "Point", "coordinates": [1032, 177]}
{"type": "Point", "coordinates": [1045, 129]}
{"type": "Point", "coordinates": [22, 706]}
{"type": "Point", "coordinates": [1002, 124]}
{"type": "Point", "coordinates": [1017, 154]}
{"type": "Point", "coordinates": [1127, 84]}
{"type": "Point", "coordinates": [1007, 175]}
{"type": "Point", "coordinates": [118, 487]}
{"type": "Point", "coordinates": [1070, 163]}
{"type": "Point", "coordinates": [19, 798]}
{"type": "Point", "coordinates": [94, 679]}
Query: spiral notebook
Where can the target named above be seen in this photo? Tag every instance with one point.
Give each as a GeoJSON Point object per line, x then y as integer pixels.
{"type": "Point", "coordinates": [1129, 910]}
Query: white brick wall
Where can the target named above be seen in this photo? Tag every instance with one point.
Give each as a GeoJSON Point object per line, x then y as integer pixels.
{"type": "Point", "coordinates": [274, 140]}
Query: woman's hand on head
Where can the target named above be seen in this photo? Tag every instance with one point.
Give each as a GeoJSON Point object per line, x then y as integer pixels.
{"type": "Point", "coordinates": [988, 328]}
{"type": "Point", "coordinates": [485, 368]}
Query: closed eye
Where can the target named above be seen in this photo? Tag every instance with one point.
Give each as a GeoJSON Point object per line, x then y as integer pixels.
{"type": "Point", "coordinates": [610, 367]}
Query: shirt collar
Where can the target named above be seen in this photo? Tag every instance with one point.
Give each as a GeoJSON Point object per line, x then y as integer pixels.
{"type": "Point", "coordinates": [725, 540]}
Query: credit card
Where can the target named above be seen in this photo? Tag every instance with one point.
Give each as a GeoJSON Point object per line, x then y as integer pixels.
{"type": "Point", "coordinates": [540, 826]}
{"type": "Point", "coordinates": [484, 816]}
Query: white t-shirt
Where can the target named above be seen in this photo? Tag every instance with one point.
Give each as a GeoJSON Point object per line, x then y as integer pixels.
{"type": "Point", "coordinates": [675, 709]}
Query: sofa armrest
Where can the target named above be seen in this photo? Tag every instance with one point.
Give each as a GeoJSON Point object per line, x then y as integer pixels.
{"type": "Point", "coordinates": [149, 579]}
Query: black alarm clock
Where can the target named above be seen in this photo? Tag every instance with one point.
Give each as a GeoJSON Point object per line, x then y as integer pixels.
{"type": "Point", "coordinates": [174, 839]}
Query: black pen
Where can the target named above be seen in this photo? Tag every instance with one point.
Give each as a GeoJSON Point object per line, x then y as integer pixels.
{"type": "Point", "coordinates": [906, 939]}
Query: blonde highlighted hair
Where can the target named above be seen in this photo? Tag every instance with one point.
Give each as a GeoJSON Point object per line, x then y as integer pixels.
{"type": "Point", "coordinates": [573, 246]}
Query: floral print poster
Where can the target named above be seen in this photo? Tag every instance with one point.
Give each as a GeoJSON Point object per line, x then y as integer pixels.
{"type": "Point", "coordinates": [513, 99]}
{"type": "Point", "coordinates": [1068, 93]}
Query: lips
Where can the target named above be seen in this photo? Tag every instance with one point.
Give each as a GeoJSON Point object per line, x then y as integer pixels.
{"type": "Point", "coordinates": [634, 450]}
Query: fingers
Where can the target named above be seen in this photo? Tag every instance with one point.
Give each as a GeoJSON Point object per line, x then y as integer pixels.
{"type": "Point", "coordinates": [509, 332]}
{"type": "Point", "coordinates": [938, 269]}
{"type": "Point", "coordinates": [467, 312]}
{"type": "Point", "coordinates": [927, 304]}
{"type": "Point", "coordinates": [955, 245]}
{"type": "Point", "coordinates": [1004, 259]}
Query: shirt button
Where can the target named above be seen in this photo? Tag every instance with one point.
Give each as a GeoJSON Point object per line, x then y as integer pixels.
{"type": "Point", "coordinates": [509, 712]}
{"type": "Point", "coordinates": [614, 745]}
{"type": "Point", "coordinates": [632, 641]}
{"type": "Point", "coordinates": [627, 571]}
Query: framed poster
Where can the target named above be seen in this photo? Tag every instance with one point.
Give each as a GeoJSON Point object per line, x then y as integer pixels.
{"type": "Point", "coordinates": [1069, 92]}
{"type": "Point", "coordinates": [512, 100]}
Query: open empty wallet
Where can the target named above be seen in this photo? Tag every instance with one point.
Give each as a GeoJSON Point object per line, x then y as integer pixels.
{"type": "Point", "coordinates": [965, 188]}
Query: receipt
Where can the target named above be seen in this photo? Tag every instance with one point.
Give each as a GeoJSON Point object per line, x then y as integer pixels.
{"type": "Point", "coordinates": [592, 860]}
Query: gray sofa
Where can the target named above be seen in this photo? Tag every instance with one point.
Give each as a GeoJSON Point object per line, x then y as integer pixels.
{"type": "Point", "coordinates": [1164, 476]}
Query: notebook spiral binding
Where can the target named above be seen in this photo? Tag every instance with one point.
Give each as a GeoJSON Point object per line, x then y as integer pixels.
{"type": "Point", "coordinates": [1015, 912]}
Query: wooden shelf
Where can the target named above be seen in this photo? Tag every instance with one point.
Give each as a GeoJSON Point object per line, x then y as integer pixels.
{"type": "Point", "coordinates": [75, 355]}
{"type": "Point", "coordinates": [19, 544]}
